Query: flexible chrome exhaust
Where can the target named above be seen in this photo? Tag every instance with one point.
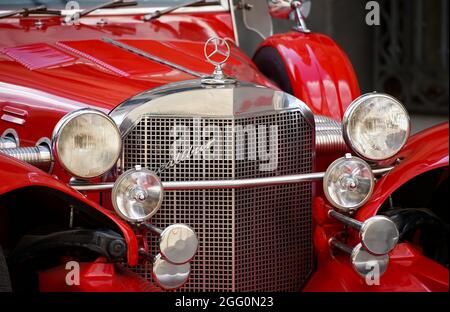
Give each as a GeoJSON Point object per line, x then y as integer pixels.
{"type": "Point", "coordinates": [329, 137]}
{"type": "Point", "coordinates": [6, 142]}
{"type": "Point", "coordinates": [37, 155]}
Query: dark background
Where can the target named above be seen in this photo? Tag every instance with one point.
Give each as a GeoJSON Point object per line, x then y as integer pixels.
{"type": "Point", "coordinates": [406, 55]}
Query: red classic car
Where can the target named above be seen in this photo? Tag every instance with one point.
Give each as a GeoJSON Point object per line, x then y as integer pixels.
{"type": "Point", "coordinates": [142, 150]}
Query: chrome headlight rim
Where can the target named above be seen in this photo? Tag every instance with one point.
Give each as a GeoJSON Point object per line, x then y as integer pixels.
{"type": "Point", "coordinates": [326, 178]}
{"type": "Point", "coordinates": [66, 119]}
{"type": "Point", "coordinates": [351, 110]}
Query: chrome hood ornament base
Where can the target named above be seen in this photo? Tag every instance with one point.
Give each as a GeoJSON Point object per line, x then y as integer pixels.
{"type": "Point", "coordinates": [217, 52]}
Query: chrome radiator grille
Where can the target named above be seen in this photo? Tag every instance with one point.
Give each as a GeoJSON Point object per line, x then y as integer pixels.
{"type": "Point", "coordinates": [256, 239]}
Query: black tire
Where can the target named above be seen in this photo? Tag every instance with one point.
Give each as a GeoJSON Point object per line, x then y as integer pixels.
{"type": "Point", "coordinates": [269, 62]}
{"type": "Point", "coordinates": [5, 282]}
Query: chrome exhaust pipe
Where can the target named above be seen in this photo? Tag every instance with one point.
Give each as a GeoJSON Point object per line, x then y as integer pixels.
{"type": "Point", "coordinates": [37, 155]}
{"type": "Point", "coordinates": [329, 137]}
{"type": "Point", "coordinates": [6, 142]}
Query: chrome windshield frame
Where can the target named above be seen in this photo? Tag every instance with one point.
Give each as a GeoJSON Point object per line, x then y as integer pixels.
{"type": "Point", "coordinates": [223, 7]}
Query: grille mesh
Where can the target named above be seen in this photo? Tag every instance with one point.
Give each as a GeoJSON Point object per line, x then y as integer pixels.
{"type": "Point", "coordinates": [256, 239]}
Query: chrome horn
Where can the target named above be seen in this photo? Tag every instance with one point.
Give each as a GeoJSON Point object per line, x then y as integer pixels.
{"type": "Point", "coordinates": [362, 261]}
{"type": "Point", "coordinates": [379, 234]}
{"type": "Point", "coordinates": [178, 243]}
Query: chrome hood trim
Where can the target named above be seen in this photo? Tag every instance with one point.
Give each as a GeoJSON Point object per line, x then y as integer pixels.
{"type": "Point", "coordinates": [191, 98]}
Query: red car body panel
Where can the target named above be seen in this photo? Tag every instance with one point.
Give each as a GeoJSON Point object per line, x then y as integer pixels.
{"type": "Point", "coordinates": [48, 71]}
{"type": "Point", "coordinates": [95, 277]}
{"type": "Point", "coordinates": [320, 73]}
{"type": "Point", "coordinates": [16, 174]}
{"type": "Point", "coordinates": [408, 271]}
{"type": "Point", "coordinates": [104, 75]}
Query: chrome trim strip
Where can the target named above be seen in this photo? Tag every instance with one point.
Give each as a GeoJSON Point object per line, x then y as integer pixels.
{"type": "Point", "coordinates": [222, 184]}
{"type": "Point", "coordinates": [233, 20]}
{"type": "Point", "coordinates": [151, 57]}
{"type": "Point", "coordinates": [13, 119]}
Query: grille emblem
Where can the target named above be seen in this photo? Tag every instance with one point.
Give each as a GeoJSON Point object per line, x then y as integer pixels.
{"type": "Point", "coordinates": [185, 155]}
{"type": "Point", "coordinates": [217, 52]}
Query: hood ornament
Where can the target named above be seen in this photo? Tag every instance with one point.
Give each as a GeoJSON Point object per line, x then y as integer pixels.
{"type": "Point", "coordinates": [217, 52]}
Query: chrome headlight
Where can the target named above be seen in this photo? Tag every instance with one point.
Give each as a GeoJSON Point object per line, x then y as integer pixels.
{"type": "Point", "coordinates": [87, 143]}
{"type": "Point", "coordinates": [376, 126]}
{"type": "Point", "coordinates": [348, 183]}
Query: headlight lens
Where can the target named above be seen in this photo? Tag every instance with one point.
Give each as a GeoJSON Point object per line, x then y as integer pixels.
{"type": "Point", "coordinates": [376, 126]}
{"type": "Point", "coordinates": [87, 143]}
{"type": "Point", "coordinates": [348, 183]}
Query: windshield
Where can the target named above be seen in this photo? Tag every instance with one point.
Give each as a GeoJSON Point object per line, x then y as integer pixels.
{"type": "Point", "coordinates": [81, 4]}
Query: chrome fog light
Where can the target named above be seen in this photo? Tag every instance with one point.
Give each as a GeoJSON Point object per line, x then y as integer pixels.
{"type": "Point", "coordinates": [137, 194]}
{"type": "Point", "coordinates": [376, 126]}
{"type": "Point", "coordinates": [348, 183]}
{"type": "Point", "coordinates": [379, 235]}
{"type": "Point", "coordinates": [168, 275]}
{"type": "Point", "coordinates": [178, 243]}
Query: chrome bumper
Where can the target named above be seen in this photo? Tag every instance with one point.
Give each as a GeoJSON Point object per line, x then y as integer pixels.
{"type": "Point", "coordinates": [221, 184]}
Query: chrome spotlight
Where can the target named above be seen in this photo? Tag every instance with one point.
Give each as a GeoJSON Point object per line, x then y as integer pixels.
{"type": "Point", "coordinates": [348, 183]}
{"type": "Point", "coordinates": [137, 194]}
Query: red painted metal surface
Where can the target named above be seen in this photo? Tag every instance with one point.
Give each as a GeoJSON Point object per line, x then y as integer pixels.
{"type": "Point", "coordinates": [320, 73]}
{"type": "Point", "coordinates": [98, 276]}
{"type": "Point", "coordinates": [38, 55]}
{"type": "Point", "coordinates": [408, 271]}
{"type": "Point", "coordinates": [178, 37]}
{"type": "Point", "coordinates": [16, 174]}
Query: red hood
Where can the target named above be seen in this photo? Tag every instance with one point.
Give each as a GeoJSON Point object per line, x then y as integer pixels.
{"type": "Point", "coordinates": [73, 62]}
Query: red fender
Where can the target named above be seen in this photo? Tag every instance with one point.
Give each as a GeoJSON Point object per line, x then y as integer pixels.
{"type": "Point", "coordinates": [425, 151]}
{"type": "Point", "coordinates": [408, 271]}
{"type": "Point", "coordinates": [96, 276]}
{"type": "Point", "coordinates": [16, 174]}
{"type": "Point", "coordinates": [320, 72]}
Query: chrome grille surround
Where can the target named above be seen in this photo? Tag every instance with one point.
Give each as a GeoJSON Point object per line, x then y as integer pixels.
{"type": "Point", "coordinates": [256, 239]}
